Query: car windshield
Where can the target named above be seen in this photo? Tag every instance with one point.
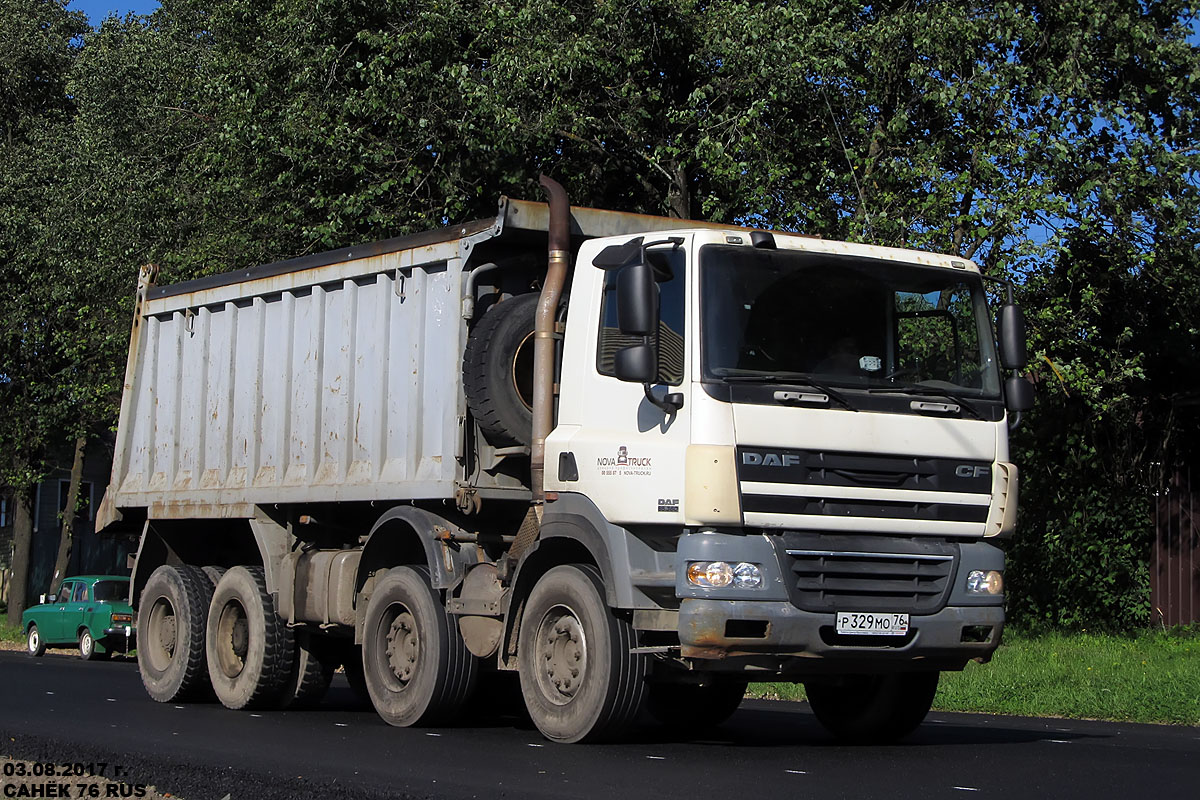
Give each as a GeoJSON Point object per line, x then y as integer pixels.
{"type": "Point", "coordinates": [848, 321]}
{"type": "Point", "coordinates": [110, 591]}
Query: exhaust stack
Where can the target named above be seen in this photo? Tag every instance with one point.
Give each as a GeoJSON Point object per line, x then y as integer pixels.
{"type": "Point", "coordinates": [544, 334]}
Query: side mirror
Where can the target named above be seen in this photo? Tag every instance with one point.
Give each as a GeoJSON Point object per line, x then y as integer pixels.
{"type": "Point", "coordinates": [636, 364]}
{"type": "Point", "coordinates": [1018, 394]}
{"type": "Point", "coordinates": [637, 300]}
{"type": "Point", "coordinates": [1012, 337]}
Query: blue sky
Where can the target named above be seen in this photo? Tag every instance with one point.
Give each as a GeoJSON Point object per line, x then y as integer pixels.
{"type": "Point", "coordinates": [97, 10]}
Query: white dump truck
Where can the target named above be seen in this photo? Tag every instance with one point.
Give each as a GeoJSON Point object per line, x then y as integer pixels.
{"type": "Point", "coordinates": [639, 461]}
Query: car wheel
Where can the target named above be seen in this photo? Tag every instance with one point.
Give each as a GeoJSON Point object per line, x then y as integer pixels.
{"type": "Point", "coordinates": [249, 648]}
{"type": "Point", "coordinates": [872, 709]}
{"type": "Point", "coordinates": [417, 667]}
{"type": "Point", "coordinates": [580, 680]}
{"type": "Point", "coordinates": [172, 615]}
{"type": "Point", "coordinates": [87, 647]}
{"type": "Point", "coordinates": [34, 643]}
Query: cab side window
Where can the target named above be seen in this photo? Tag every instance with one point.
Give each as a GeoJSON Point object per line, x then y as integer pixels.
{"type": "Point", "coordinates": [669, 265]}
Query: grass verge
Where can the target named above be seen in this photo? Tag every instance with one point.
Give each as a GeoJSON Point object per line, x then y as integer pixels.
{"type": "Point", "coordinates": [11, 633]}
{"type": "Point", "coordinates": [1146, 677]}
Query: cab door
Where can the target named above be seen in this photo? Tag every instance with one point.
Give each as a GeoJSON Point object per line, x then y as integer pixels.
{"type": "Point", "coordinates": [612, 444]}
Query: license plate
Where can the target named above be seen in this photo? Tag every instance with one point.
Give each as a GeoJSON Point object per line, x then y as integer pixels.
{"type": "Point", "coordinates": [871, 623]}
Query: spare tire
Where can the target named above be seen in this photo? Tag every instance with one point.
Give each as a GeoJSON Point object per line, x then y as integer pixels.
{"type": "Point", "coordinates": [498, 371]}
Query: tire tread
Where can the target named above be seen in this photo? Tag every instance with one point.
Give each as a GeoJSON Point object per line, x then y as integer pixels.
{"type": "Point", "coordinates": [482, 397]}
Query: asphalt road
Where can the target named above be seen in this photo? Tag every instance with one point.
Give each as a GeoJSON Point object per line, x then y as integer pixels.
{"type": "Point", "coordinates": [60, 709]}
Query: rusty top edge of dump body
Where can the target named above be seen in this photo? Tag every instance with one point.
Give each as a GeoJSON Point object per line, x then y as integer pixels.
{"type": "Point", "coordinates": [586, 223]}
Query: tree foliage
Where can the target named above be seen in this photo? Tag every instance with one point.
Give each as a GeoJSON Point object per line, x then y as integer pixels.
{"type": "Point", "coordinates": [1055, 143]}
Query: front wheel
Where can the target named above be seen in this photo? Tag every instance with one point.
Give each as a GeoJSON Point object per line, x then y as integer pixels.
{"type": "Point", "coordinates": [873, 709]}
{"type": "Point", "coordinates": [580, 680]}
{"type": "Point", "coordinates": [33, 642]}
{"type": "Point", "coordinates": [418, 670]}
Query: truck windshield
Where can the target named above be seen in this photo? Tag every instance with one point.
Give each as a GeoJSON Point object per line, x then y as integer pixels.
{"type": "Point", "coordinates": [844, 320]}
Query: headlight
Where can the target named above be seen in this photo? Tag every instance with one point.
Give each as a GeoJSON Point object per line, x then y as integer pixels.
{"type": "Point", "coordinates": [747, 576]}
{"type": "Point", "coordinates": [980, 582]}
{"type": "Point", "coordinates": [720, 574]}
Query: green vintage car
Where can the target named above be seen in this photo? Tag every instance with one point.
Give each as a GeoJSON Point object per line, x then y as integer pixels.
{"type": "Point", "coordinates": [90, 612]}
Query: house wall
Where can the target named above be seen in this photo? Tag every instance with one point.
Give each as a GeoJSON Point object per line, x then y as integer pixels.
{"type": "Point", "coordinates": [90, 553]}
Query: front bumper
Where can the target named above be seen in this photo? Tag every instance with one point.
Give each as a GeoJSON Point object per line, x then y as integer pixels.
{"type": "Point", "coordinates": [787, 640]}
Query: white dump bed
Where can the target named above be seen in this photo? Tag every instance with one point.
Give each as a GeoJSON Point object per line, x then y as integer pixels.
{"type": "Point", "coordinates": [338, 382]}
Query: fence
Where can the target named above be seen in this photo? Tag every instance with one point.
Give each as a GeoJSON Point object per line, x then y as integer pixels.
{"type": "Point", "coordinates": [1175, 561]}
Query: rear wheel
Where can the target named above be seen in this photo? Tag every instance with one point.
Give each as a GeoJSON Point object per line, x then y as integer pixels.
{"type": "Point", "coordinates": [704, 705]}
{"type": "Point", "coordinates": [418, 670]}
{"type": "Point", "coordinates": [249, 648]}
{"type": "Point", "coordinates": [172, 616]}
{"type": "Point", "coordinates": [579, 679]}
{"type": "Point", "coordinates": [87, 647]}
{"type": "Point", "coordinates": [872, 709]}
{"type": "Point", "coordinates": [33, 642]}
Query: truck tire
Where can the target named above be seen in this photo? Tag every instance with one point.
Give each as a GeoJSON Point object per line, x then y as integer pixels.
{"type": "Point", "coordinates": [312, 672]}
{"type": "Point", "coordinates": [418, 670]}
{"type": "Point", "coordinates": [249, 648]}
{"type": "Point", "coordinates": [873, 709]}
{"type": "Point", "coordinates": [214, 574]}
{"type": "Point", "coordinates": [689, 706]}
{"type": "Point", "coordinates": [498, 371]}
{"type": "Point", "coordinates": [580, 681]}
{"type": "Point", "coordinates": [172, 619]}
{"type": "Point", "coordinates": [33, 642]}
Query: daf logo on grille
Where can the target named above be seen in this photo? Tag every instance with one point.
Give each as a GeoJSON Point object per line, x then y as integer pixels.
{"type": "Point", "coordinates": [968, 471]}
{"type": "Point", "coordinates": [770, 459]}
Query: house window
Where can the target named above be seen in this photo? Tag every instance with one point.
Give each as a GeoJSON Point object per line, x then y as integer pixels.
{"type": "Point", "coordinates": [83, 510]}
{"type": "Point", "coordinates": [4, 523]}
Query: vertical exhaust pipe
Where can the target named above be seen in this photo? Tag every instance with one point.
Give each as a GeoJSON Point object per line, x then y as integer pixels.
{"type": "Point", "coordinates": [544, 335]}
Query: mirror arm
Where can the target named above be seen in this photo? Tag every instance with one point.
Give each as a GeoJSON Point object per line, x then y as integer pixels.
{"type": "Point", "coordinates": [670, 403]}
{"type": "Point", "coordinates": [1014, 421]}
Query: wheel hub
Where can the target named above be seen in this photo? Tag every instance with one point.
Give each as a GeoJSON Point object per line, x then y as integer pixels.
{"type": "Point", "coordinates": [403, 646]}
{"type": "Point", "coordinates": [561, 655]}
{"type": "Point", "coordinates": [163, 632]}
{"type": "Point", "coordinates": [233, 639]}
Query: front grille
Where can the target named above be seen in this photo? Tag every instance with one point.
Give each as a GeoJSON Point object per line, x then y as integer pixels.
{"type": "Point", "coordinates": [850, 580]}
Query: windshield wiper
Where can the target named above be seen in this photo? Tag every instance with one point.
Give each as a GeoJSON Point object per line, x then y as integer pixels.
{"type": "Point", "coordinates": [927, 391]}
{"type": "Point", "coordinates": [789, 378]}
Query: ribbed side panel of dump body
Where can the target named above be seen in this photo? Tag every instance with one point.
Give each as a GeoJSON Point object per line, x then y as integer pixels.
{"type": "Point", "coordinates": [307, 386]}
